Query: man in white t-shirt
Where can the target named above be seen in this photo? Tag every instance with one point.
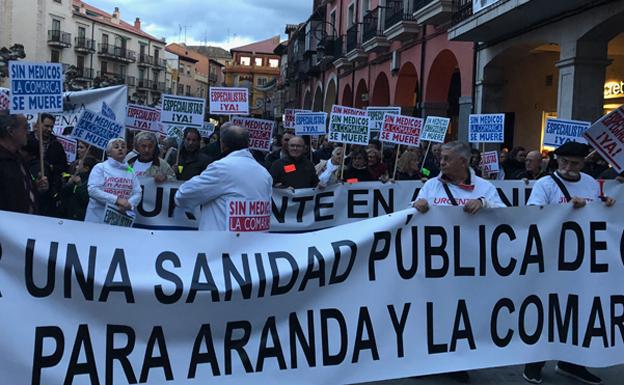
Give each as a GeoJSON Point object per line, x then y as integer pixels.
{"type": "Point", "coordinates": [567, 185]}
{"type": "Point", "coordinates": [457, 184]}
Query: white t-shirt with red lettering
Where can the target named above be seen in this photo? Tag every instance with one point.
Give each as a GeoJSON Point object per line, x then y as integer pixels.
{"type": "Point", "coordinates": [108, 181]}
{"type": "Point", "coordinates": [433, 191]}
{"type": "Point", "coordinates": [547, 192]}
{"type": "Point", "coordinates": [140, 168]}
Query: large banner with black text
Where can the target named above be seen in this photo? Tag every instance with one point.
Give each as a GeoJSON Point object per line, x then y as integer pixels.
{"type": "Point", "coordinates": [315, 209]}
{"type": "Point", "coordinates": [390, 297]}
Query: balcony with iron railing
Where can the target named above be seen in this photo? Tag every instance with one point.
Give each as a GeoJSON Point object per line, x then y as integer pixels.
{"type": "Point", "coordinates": [159, 63]}
{"type": "Point", "coordinates": [157, 86]}
{"type": "Point", "coordinates": [59, 39]}
{"type": "Point", "coordinates": [352, 38]}
{"type": "Point", "coordinates": [145, 84]}
{"type": "Point", "coordinates": [399, 21]}
{"type": "Point", "coordinates": [463, 10]}
{"type": "Point", "coordinates": [436, 12]}
{"type": "Point", "coordinates": [145, 60]}
{"type": "Point", "coordinates": [354, 51]}
{"type": "Point", "coordinates": [116, 53]}
{"type": "Point", "coordinates": [118, 77]}
{"type": "Point", "coordinates": [82, 44]}
{"type": "Point", "coordinates": [85, 73]}
{"type": "Point", "coordinates": [373, 38]}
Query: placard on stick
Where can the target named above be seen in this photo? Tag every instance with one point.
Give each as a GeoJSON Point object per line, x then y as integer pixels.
{"type": "Point", "coordinates": [607, 137]}
{"type": "Point", "coordinates": [489, 162]}
{"type": "Point", "coordinates": [310, 123]}
{"type": "Point", "coordinates": [486, 128]}
{"type": "Point", "coordinates": [35, 87]}
{"type": "Point", "coordinates": [289, 117]}
{"type": "Point", "coordinates": [182, 110]}
{"type": "Point", "coordinates": [376, 116]}
{"type": "Point", "coordinates": [401, 129]}
{"type": "Point", "coordinates": [560, 131]}
{"type": "Point", "coordinates": [435, 129]}
{"type": "Point", "coordinates": [70, 146]}
{"type": "Point", "coordinates": [229, 101]}
{"type": "Point", "coordinates": [96, 129]}
{"type": "Point", "coordinates": [260, 132]}
{"type": "Point", "coordinates": [143, 118]}
{"type": "Point", "coordinates": [348, 125]}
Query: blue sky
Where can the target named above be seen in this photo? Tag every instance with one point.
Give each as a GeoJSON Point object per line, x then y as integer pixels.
{"type": "Point", "coordinates": [225, 23]}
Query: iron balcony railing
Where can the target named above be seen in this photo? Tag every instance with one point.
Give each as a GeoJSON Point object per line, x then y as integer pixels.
{"type": "Point", "coordinates": [116, 52]}
{"type": "Point", "coordinates": [84, 73]}
{"type": "Point", "coordinates": [464, 10]}
{"type": "Point", "coordinates": [396, 12]}
{"type": "Point", "coordinates": [371, 27]}
{"type": "Point", "coordinates": [144, 83]}
{"type": "Point", "coordinates": [59, 38]}
{"type": "Point", "coordinates": [352, 38]}
{"type": "Point", "coordinates": [84, 44]}
{"type": "Point", "coordinates": [146, 59]}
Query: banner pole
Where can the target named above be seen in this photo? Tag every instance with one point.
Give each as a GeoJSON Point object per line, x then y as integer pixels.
{"type": "Point", "coordinates": [342, 166]}
{"type": "Point", "coordinates": [41, 152]}
{"type": "Point", "coordinates": [396, 162]}
{"type": "Point", "coordinates": [425, 158]}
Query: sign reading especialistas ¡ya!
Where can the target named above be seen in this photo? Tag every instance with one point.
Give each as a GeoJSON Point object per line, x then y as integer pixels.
{"type": "Point", "coordinates": [310, 123]}
{"type": "Point", "coordinates": [375, 300]}
{"type": "Point", "coordinates": [348, 125]}
{"type": "Point", "coordinates": [607, 137]}
{"type": "Point", "coordinates": [401, 129]}
{"type": "Point", "coordinates": [182, 110]}
{"type": "Point", "coordinates": [229, 101]}
{"type": "Point", "coordinates": [289, 117]}
{"type": "Point", "coordinates": [435, 129]}
{"type": "Point", "coordinates": [97, 129]}
{"type": "Point", "coordinates": [376, 116]}
{"type": "Point", "coordinates": [486, 128]}
{"type": "Point", "coordinates": [35, 87]}
{"type": "Point", "coordinates": [489, 162]}
{"type": "Point", "coordinates": [260, 132]}
{"type": "Point", "coordinates": [560, 131]}
{"type": "Point", "coordinates": [143, 118]}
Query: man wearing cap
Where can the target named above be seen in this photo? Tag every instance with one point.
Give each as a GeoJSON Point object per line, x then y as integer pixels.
{"type": "Point", "coordinates": [234, 193]}
{"type": "Point", "coordinates": [567, 185]}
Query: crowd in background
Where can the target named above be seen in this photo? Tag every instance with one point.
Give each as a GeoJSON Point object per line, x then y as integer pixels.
{"type": "Point", "coordinates": [62, 190]}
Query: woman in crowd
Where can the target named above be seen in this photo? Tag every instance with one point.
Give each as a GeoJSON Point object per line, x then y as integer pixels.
{"type": "Point", "coordinates": [113, 183]}
{"type": "Point", "coordinates": [377, 169]}
{"type": "Point", "coordinates": [75, 194]}
{"type": "Point", "coordinates": [358, 171]}
{"type": "Point", "coordinates": [514, 164]}
{"type": "Point", "coordinates": [328, 171]}
{"type": "Point", "coordinates": [147, 163]}
{"type": "Point", "coordinates": [408, 166]}
{"type": "Point", "coordinates": [82, 150]}
{"type": "Point", "coordinates": [475, 161]}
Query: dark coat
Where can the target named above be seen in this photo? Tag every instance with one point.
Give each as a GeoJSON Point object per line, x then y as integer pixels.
{"type": "Point", "coordinates": [299, 173]}
{"type": "Point", "coordinates": [16, 184]}
{"type": "Point", "coordinates": [191, 164]}
{"type": "Point", "coordinates": [75, 198]}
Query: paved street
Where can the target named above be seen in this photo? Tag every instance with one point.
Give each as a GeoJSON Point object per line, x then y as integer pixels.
{"type": "Point", "coordinates": [510, 376]}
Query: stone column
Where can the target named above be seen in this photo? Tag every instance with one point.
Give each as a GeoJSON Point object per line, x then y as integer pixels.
{"type": "Point", "coordinates": [465, 109]}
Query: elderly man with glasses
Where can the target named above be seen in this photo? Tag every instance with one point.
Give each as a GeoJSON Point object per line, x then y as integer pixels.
{"type": "Point", "coordinates": [295, 170]}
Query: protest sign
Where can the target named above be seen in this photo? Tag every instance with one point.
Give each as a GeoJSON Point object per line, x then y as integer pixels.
{"type": "Point", "coordinates": [176, 132]}
{"type": "Point", "coordinates": [229, 101]}
{"type": "Point", "coordinates": [607, 137]}
{"type": "Point", "coordinates": [70, 146]}
{"type": "Point", "coordinates": [112, 99]}
{"type": "Point", "coordinates": [310, 123]}
{"type": "Point", "coordinates": [113, 216]}
{"type": "Point", "coordinates": [401, 129]}
{"type": "Point", "coordinates": [289, 117]}
{"type": "Point", "coordinates": [376, 116]}
{"type": "Point", "coordinates": [246, 216]}
{"type": "Point", "coordinates": [260, 132]}
{"type": "Point", "coordinates": [486, 128]}
{"type": "Point", "coordinates": [489, 162]}
{"type": "Point", "coordinates": [348, 125]}
{"type": "Point", "coordinates": [35, 87]}
{"type": "Point", "coordinates": [435, 129]}
{"type": "Point", "coordinates": [4, 98]}
{"type": "Point", "coordinates": [96, 129]}
{"type": "Point", "coordinates": [391, 297]}
{"type": "Point", "coordinates": [314, 209]}
{"type": "Point", "coordinates": [182, 110]}
{"type": "Point", "coordinates": [560, 131]}
{"type": "Point", "coordinates": [143, 118]}
{"type": "Point", "coordinates": [207, 130]}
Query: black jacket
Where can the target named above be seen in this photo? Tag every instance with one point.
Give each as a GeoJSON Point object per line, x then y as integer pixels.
{"type": "Point", "coordinates": [191, 164]}
{"type": "Point", "coordinates": [297, 174]}
{"type": "Point", "coordinates": [16, 184]}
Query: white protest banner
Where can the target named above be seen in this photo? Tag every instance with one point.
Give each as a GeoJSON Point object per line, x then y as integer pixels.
{"type": "Point", "coordinates": [310, 123]}
{"type": "Point", "coordinates": [314, 209]}
{"type": "Point", "coordinates": [401, 129]}
{"type": "Point", "coordinates": [435, 129]}
{"type": "Point", "coordinates": [376, 116]}
{"type": "Point", "coordinates": [229, 101]}
{"type": "Point", "coordinates": [260, 132]}
{"type": "Point", "coordinates": [391, 297]}
{"type": "Point", "coordinates": [289, 117]}
{"type": "Point", "coordinates": [489, 162]}
{"type": "Point", "coordinates": [5, 100]}
{"type": "Point", "coordinates": [113, 99]}
{"type": "Point", "coordinates": [560, 131]}
{"type": "Point", "coordinates": [35, 87]}
{"type": "Point", "coordinates": [348, 125]}
{"type": "Point", "coordinates": [96, 129]}
{"type": "Point", "coordinates": [486, 128]}
{"type": "Point", "coordinates": [70, 146]}
{"type": "Point", "coordinates": [207, 130]}
{"type": "Point", "coordinates": [143, 118]}
{"type": "Point", "coordinates": [182, 110]}
{"type": "Point", "coordinates": [607, 137]}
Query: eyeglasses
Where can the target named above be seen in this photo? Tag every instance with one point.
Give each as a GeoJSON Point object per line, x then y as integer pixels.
{"type": "Point", "coordinates": [296, 145]}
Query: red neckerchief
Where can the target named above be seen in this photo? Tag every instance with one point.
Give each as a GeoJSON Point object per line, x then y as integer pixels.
{"type": "Point", "coordinates": [466, 185]}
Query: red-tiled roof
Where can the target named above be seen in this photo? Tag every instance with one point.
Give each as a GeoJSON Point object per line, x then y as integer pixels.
{"type": "Point", "coordinates": [265, 46]}
{"type": "Point", "coordinates": [106, 18]}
